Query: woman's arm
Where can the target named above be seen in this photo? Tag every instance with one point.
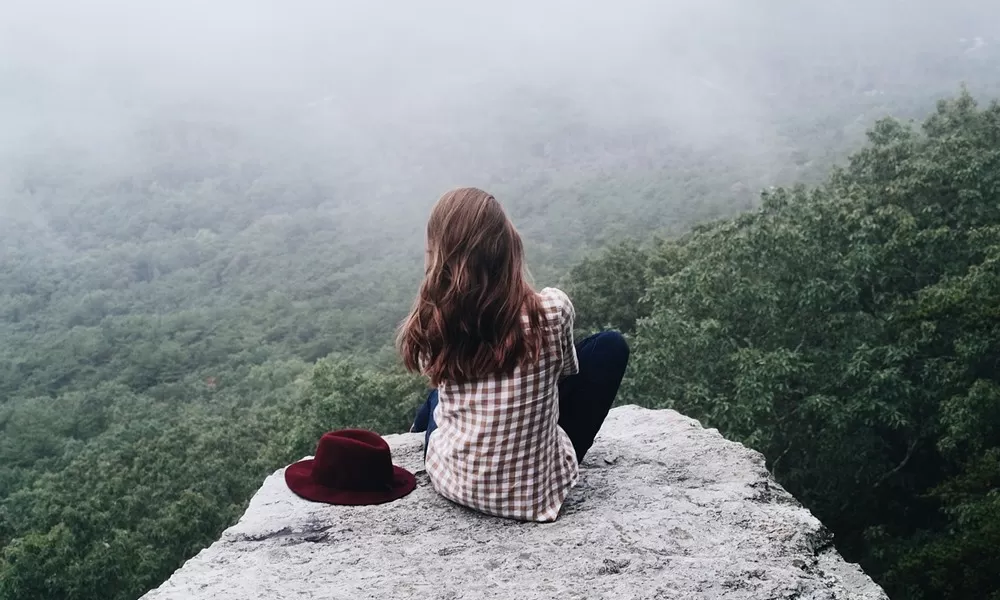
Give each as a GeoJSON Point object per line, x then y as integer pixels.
{"type": "Point", "coordinates": [570, 364]}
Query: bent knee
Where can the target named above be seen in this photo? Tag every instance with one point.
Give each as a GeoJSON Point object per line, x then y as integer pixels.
{"type": "Point", "coordinates": [615, 345]}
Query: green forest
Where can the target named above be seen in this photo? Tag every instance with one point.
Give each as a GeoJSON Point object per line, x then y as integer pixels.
{"type": "Point", "coordinates": [802, 246]}
{"type": "Point", "coordinates": [849, 331]}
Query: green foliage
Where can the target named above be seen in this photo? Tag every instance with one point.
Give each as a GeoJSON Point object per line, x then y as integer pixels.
{"type": "Point", "coordinates": [610, 287]}
{"type": "Point", "coordinates": [851, 332]}
{"type": "Point", "coordinates": [338, 394]}
{"type": "Point", "coordinates": [112, 515]}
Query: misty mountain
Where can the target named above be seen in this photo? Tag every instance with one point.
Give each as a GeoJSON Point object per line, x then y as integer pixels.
{"type": "Point", "coordinates": [212, 219]}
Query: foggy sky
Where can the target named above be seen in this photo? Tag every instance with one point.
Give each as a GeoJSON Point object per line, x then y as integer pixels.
{"type": "Point", "coordinates": [386, 83]}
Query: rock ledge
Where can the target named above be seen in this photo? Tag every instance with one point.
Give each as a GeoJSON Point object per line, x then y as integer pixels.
{"type": "Point", "coordinates": [664, 509]}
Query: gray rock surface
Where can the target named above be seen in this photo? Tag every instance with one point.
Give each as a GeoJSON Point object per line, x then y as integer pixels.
{"type": "Point", "coordinates": [664, 509]}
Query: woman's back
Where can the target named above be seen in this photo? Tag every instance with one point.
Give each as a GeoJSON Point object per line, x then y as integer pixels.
{"type": "Point", "coordinates": [498, 447]}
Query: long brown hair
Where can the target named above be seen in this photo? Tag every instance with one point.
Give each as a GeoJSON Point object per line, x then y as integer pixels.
{"type": "Point", "coordinates": [466, 322]}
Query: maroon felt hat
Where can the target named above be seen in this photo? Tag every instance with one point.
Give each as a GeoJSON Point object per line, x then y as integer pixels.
{"type": "Point", "coordinates": [351, 466]}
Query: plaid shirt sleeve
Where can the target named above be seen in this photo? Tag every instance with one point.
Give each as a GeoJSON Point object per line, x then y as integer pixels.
{"type": "Point", "coordinates": [570, 364]}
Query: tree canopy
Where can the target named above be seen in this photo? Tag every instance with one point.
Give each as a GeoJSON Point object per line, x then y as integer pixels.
{"type": "Point", "coordinates": [850, 332]}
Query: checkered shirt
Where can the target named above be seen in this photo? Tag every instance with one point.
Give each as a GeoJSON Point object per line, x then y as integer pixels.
{"type": "Point", "coordinates": [498, 448]}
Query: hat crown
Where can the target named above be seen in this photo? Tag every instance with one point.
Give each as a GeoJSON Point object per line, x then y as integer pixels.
{"type": "Point", "coordinates": [353, 459]}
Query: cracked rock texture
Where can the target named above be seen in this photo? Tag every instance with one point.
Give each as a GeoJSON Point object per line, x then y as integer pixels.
{"type": "Point", "coordinates": [664, 509]}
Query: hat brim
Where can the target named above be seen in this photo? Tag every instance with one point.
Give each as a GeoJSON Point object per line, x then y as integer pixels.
{"type": "Point", "coordinates": [298, 477]}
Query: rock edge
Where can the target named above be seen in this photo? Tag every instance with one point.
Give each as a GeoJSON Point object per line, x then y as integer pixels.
{"type": "Point", "coordinates": [664, 509]}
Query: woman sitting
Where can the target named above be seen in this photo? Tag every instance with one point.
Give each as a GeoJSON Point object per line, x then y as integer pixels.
{"type": "Point", "coordinates": [516, 403]}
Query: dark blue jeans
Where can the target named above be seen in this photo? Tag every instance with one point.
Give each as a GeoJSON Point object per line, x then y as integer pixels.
{"type": "Point", "coordinates": [424, 420]}
{"type": "Point", "coordinates": [584, 398]}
